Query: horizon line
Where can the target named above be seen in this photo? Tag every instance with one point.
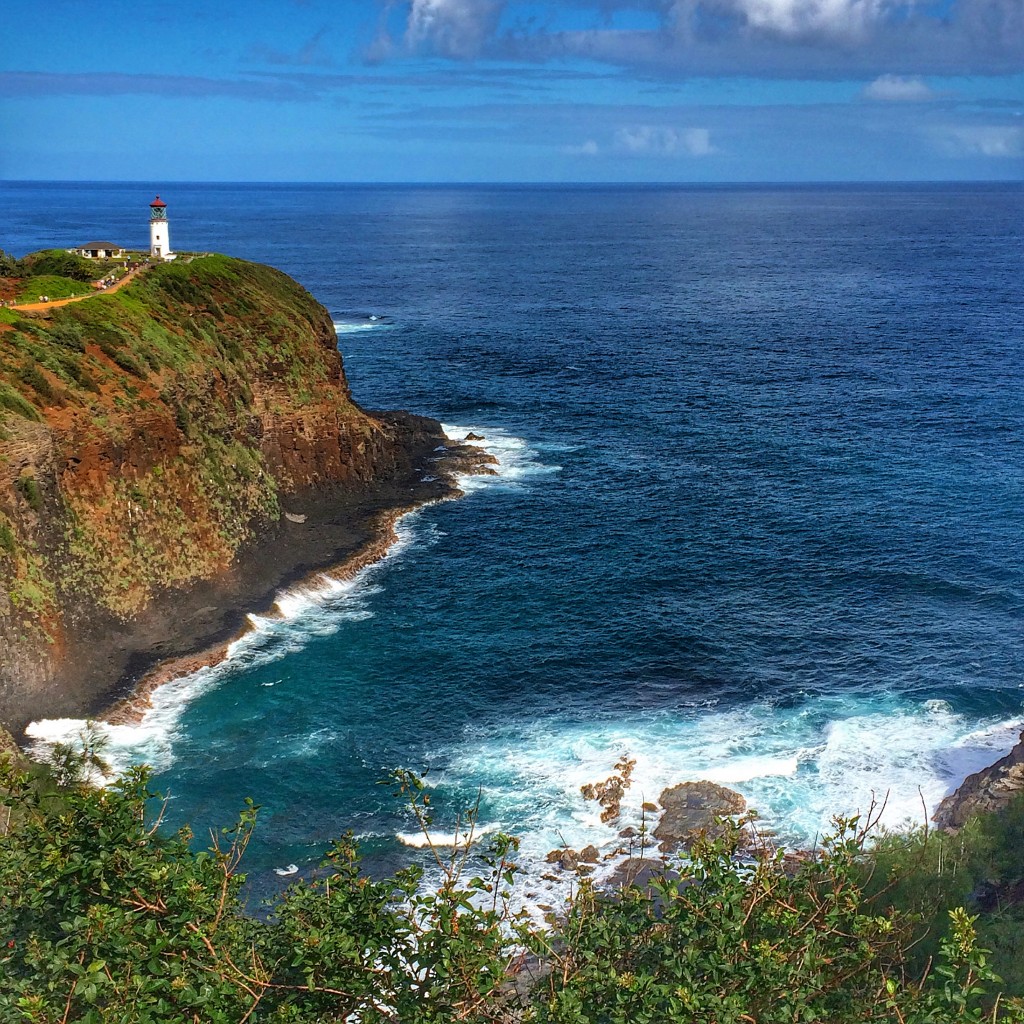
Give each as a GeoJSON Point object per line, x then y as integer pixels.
{"type": "Point", "coordinates": [518, 184]}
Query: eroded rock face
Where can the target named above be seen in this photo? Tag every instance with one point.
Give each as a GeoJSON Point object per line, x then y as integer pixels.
{"type": "Point", "coordinates": [690, 809]}
{"type": "Point", "coordinates": [985, 792]}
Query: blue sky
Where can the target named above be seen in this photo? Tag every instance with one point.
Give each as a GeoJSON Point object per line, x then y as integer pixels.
{"type": "Point", "coordinates": [502, 90]}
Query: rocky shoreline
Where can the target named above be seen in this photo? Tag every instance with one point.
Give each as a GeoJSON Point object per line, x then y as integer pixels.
{"type": "Point", "coordinates": [688, 810]}
{"type": "Point", "coordinates": [985, 792]}
{"type": "Point", "coordinates": [338, 529]}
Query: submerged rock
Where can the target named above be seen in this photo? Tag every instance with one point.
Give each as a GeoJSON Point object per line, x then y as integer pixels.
{"type": "Point", "coordinates": [690, 809]}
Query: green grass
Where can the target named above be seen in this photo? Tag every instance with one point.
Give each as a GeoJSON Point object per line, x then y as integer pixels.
{"type": "Point", "coordinates": [29, 488]}
{"type": "Point", "coordinates": [8, 543]}
{"type": "Point", "coordinates": [51, 286]}
{"type": "Point", "coordinates": [12, 401]}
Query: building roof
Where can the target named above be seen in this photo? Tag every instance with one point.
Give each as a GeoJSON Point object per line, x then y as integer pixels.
{"type": "Point", "coordinates": [158, 202]}
{"type": "Point", "coordinates": [99, 245]}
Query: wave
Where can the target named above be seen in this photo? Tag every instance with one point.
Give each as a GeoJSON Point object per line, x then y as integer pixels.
{"type": "Point", "coordinates": [355, 325]}
{"type": "Point", "coordinates": [449, 840]}
{"type": "Point", "coordinates": [518, 460]}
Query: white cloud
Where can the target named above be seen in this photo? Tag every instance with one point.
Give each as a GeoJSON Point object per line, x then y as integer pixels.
{"type": "Point", "coordinates": [896, 89]}
{"type": "Point", "coordinates": [452, 28]}
{"type": "Point", "coordinates": [831, 39]}
{"type": "Point", "coordinates": [830, 19]}
{"type": "Point", "coordinates": [653, 140]}
{"type": "Point", "coordinates": [982, 140]}
{"type": "Point", "coordinates": [588, 148]}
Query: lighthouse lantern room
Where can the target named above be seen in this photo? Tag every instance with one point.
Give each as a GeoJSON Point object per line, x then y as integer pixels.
{"type": "Point", "coordinates": [159, 232]}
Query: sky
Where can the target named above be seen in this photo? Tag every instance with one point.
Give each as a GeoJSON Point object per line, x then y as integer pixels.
{"type": "Point", "coordinates": [507, 90]}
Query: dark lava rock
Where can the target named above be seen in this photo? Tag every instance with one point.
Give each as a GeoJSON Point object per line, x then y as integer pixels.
{"type": "Point", "coordinates": [468, 459]}
{"type": "Point", "coordinates": [690, 809]}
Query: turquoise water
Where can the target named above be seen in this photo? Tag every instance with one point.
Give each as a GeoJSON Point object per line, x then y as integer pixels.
{"type": "Point", "coordinates": [760, 515]}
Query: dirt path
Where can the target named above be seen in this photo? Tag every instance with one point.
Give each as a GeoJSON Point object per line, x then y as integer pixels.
{"type": "Point", "coordinates": [32, 307]}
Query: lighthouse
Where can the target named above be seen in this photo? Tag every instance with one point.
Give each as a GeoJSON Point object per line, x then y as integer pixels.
{"type": "Point", "coordinates": [159, 232]}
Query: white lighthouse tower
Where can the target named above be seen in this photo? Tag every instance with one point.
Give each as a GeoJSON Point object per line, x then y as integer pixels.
{"type": "Point", "coordinates": [159, 232]}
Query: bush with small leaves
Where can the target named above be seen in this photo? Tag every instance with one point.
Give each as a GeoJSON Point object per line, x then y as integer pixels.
{"type": "Point", "coordinates": [105, 918]}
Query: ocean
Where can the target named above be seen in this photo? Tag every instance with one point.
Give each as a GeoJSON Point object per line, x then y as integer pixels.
{"type": "Point", "coordinates": [759, 517]}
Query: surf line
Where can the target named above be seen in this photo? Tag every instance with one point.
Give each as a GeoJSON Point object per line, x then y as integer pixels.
{"type": "Point", "coordinates": [461, 458]}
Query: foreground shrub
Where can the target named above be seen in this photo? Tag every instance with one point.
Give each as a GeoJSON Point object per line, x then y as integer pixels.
{"type": "Point", "coordinates": [103, 917]}
{"type": "Point", "coordinates": [931, 873]}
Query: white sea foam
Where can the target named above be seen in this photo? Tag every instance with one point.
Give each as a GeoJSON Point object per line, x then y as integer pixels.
{"type": "Point", "coordinates": [149, 740]}
{"type": "Point", "coordinates": [448, 840]}
{"type": "Point", "coordinates": [796, 766]}
{"type": "Point", "coordinates": [517, 459]}
{"type": "Point", "coordinates": [357, 326]}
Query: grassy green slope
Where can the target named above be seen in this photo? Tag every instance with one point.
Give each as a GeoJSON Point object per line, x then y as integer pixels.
{"type": "Point", "coordinates": [131, 427]}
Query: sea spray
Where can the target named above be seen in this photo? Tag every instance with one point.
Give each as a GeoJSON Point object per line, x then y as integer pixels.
{"type": "Point", "coordinates": [797, 770]}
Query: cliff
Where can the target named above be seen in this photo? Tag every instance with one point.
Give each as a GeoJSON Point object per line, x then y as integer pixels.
{"type": "Point", "coordinates": [988, 791]}
{"type": "Point", "coordinates": [150, 441]}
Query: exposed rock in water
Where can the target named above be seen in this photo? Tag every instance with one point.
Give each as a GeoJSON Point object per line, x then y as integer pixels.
{"type": "Point", "coordinates": [984, 792]}
{"type": "Point", "coordinates": [610, 792]}
{"type": "Point", "coordinates": [467, 459]}
{"type": "Point", "coordinates": [590, 855]}
{"type": "Point", "coordinates": [567, 859]}
{"type": "Point", "coordinates": [474, 437]}
{"type": "Point", "coordinates": [638, 871]}
{"type": "Point", "coordinates": [690, 809]}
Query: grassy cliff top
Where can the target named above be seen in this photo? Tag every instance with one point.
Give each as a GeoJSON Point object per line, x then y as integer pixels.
{"type": "Point", "coordinates": [145, 433]}
{"type": "Point", "coordinates": [213, 315]}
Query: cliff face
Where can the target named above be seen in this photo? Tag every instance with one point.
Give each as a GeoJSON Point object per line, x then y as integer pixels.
{"type": "Point", "coordinates": [984, 792]}
{"type": "Point", "coordinates": [149, 436]}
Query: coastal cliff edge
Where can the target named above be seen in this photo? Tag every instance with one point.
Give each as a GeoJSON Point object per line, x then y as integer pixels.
{"type": "Point", "coordinates": [170, 457]}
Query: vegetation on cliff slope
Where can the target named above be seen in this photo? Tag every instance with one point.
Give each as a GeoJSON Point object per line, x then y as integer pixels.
{"type": "Point", "coordinates": [105, 918]}
{"type": "Point", "coordinates": [144, 433]}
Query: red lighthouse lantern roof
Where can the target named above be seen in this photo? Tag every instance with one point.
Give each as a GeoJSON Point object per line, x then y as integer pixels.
{"type": "Point", "coordinates": [157, 202]}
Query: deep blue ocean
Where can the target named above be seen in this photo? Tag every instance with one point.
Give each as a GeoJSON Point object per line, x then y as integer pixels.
{"type": "Point", "coordinates": [760, 518]}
